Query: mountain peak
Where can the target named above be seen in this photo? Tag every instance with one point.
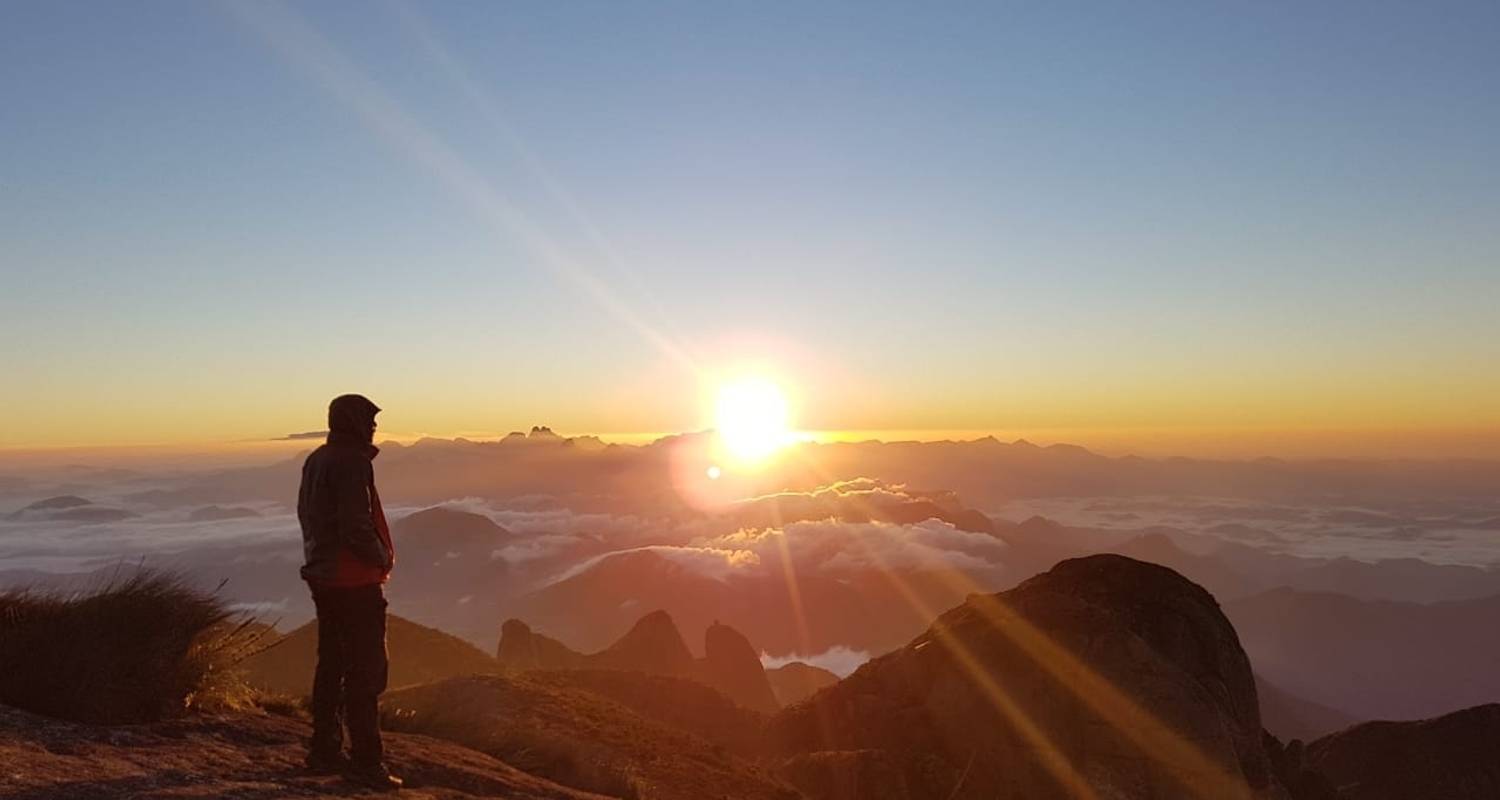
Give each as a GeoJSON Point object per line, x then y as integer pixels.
{"type": "Point", "coordinates": [449, 526]}
{"type": "Point", "coordinates": [653, 644]}
{"type": "Point", "coordinates": [732, 666]}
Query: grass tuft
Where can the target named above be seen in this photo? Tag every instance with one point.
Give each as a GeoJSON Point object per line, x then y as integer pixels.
{"type": "Point", "coordinates": [137, 649]}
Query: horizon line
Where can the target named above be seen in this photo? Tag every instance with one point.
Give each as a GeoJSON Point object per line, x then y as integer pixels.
{"type": "Point", "coordinates": [1201, 443]}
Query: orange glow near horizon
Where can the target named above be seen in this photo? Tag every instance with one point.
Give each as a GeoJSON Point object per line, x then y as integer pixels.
{"type": "Point", "coordinates": [1194, 442]}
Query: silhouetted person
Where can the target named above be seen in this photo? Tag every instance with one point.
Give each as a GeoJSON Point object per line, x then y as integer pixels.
{"type": "Point", "coordinates": [347, 546]}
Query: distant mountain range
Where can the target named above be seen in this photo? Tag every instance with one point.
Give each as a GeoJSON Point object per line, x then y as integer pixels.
{"type": "Point", "coordinates": [586, 473]}
{"type": "Point", "coordinates": [1374, 659]}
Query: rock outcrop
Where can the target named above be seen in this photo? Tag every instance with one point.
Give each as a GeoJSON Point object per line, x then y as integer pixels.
{"type": "Point", "coordinates": [653, 646]}
{"type": "Point", "coordinates": [731, 665]}
{"type": "Point", "coordinates": [1455, 757]}
{"type": "Point", "coordinates": [1105, 677]}
{"type": "Point", "coordinates": [248, 755]}
{"type": "Point", "coordinates": [553, 727]}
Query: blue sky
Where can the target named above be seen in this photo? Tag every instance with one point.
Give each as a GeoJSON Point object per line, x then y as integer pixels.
{"type": "Point", "coordinates": [1005, 216]}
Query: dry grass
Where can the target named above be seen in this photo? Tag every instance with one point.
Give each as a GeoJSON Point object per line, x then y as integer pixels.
{"type": "Point", "coordinates": [137, 649]}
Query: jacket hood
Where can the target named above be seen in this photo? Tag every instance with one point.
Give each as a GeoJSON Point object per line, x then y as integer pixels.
{"type": "Point", "coordinates": [351, 415]}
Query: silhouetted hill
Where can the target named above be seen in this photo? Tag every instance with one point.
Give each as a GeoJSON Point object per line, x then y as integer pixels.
{"type": "Point", "coordinates": [441, 529]}
{"type": "Point", "coordinates": [578, 738]}
{"type": "Point", "coordinates": [1373, 659]}
{"type": "Point", "coordinates": [1291, 717]}
{"type": "Point", "coordinates": [447, 574]}
{"type": "Point", "coordinates": [797, 681]}
{"type": "Point", "coordinates": [1453, 757]}
{"type": "Point", "coordinates": [1404, 579]}
{"type": "Point", "coordinates": [1219, 578]}
{"type": "Point", "coordinates": [418, 654]}
{"type": "Point", "coordinates": [1104, 676]}
{"type": "Point", "coordinates": [653, 646]}
{"type": "Point", "coordinates": [57, 503]}
{"type": "Point", "coordinates": [218, 513]}
{"type": "Point", "coordinates": [732, 665]}
{"type": "Point", "coordinates": [69, 508]}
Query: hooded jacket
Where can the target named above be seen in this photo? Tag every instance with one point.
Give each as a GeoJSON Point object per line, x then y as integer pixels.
{"type": "Point", "coordinates": [345, 541]}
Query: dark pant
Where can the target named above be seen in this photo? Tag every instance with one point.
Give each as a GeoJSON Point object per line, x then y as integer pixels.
{"type": "Point", "coordinates": [351, 671]}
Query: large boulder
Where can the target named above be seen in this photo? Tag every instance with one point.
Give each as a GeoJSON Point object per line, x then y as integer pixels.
{"type": "Point", "coordinates": [1105, 677]}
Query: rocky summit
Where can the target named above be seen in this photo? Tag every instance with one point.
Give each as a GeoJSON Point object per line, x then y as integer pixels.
{"type": "Point", "coordinates": [242, 755]}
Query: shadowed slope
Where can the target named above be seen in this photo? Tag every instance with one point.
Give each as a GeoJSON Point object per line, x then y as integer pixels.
{"type": "Point", "coordinates": [418, 654]}
{"type": "Point", "coordinates": [251, 756]}
{"type": "Point", "coordinates": [1291, 717]}
{"type": "Point", "coordinates": [577, 737]}
{"type": "Point", "coordinates": [1455, 757]}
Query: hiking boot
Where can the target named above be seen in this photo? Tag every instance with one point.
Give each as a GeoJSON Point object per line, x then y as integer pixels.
{"type": "Point", "coordinates": [321, 762]}
{"type": "Point", "coordinates": [375, 776]}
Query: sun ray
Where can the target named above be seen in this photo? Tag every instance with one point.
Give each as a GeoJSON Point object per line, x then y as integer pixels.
{"type": "Point", "coordinates": [1201, 775]}
{"type": "Point", "coordinates": [305, 48]}
{"type": "Point", "coordinates": [1050, 755]}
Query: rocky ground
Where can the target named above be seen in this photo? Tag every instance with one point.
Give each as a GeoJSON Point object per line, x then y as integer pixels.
{"type": "Point", "coordinates": [251, 756]}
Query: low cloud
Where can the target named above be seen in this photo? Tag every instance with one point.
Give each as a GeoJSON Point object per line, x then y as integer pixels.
{"type": "Point", "coordinates": [261, 607]}
{"type": "Point", "coordinates": [840, 660]}
{"type": "Point", "coordinates": [840, 548]}
{"type": "Point", "coordinates": [859, 500]}
{"type": "Point", "coordinates": [537, 547]}
{"type": "Point", "coordinates": [297, 437]}
{"type": "Point", "coordinates": [858, 495]}
{"type": "Point", "coordinates": [67, 546]}
{"type": "Point", "coordinates": [712, 562]}
{"type": "Point", "coordinates": [828, 547]}
{"type": "Point", "coordinates": [620, 529]}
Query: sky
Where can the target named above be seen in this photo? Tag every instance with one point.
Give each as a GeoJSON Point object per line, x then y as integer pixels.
{"type": "Point", "coordinates": [1148, 225]}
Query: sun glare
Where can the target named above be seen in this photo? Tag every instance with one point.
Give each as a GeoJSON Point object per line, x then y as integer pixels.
{"type": "Point", "coordinates": [752, 419]}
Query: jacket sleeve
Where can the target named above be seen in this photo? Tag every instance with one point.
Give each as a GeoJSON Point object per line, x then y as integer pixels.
{"type": "Point", "coordinates": [356, 524]}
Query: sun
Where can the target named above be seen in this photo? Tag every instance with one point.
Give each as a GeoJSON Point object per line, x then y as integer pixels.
{"type": "Point", "coordinates": [752, 419]}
